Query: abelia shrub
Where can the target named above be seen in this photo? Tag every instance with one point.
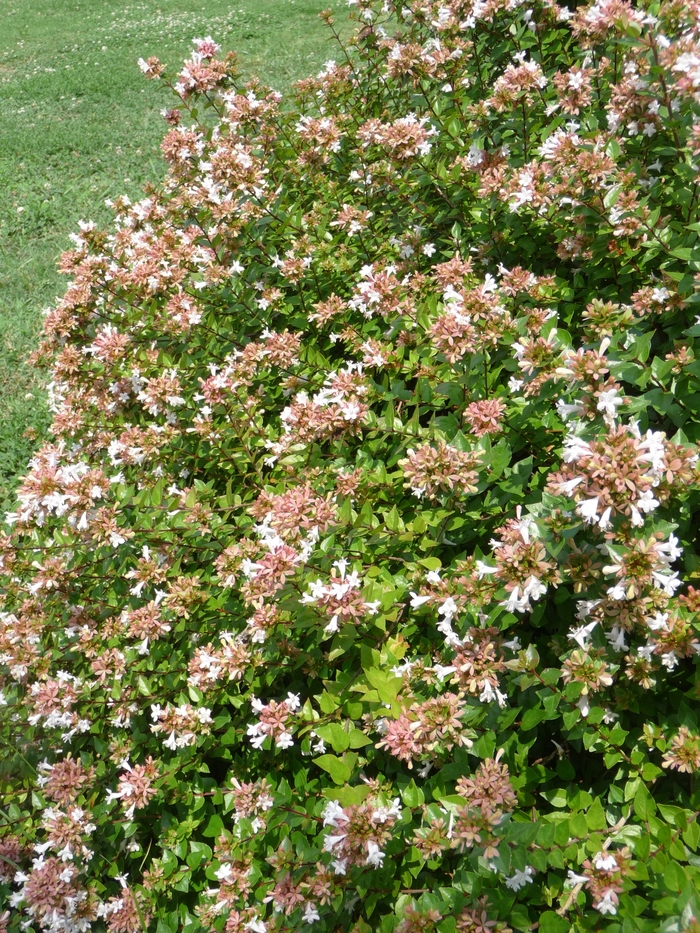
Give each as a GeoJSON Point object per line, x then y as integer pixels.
{"type": "Point", "coordinates": [355, 587]}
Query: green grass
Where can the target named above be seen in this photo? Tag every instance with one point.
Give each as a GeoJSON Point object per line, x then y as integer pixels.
{"type": "Point", "coordinates": [79, 124]}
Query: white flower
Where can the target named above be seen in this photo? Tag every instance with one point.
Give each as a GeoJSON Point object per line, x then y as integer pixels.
{"type": "Point", "coordinates": [572, 878]}
{"type": "Point", "coordinates": [604, 861]}
{"type": "Point", "coordinates": [584, 705]}
{"type": "Point", "coordinates": [330, 842]}
{"type": "Point", "coordinates": [66, 853]}
{"type": "Point", "coordinates": [311, 915]}
{"type": "Point", "coordinates": [527, 527]}
{"type": "Point", "coordinates": [483, 569]}
{"type": "Point", "coordinates": [444, 626]}
{"type": "Point", "coordinates": [520, 879]}
{"type": "Point", "coordinates": [565, 411]}
{"type": "Point", "coordinates": [608, 903]}
{"type": "Point", "coordinates": [588, 510]}
{"type": "Point", "coordinates": [669, 660]}
{"type": "Point", "coordinates": [616, 638]}
{"type": "Point", "coordinates": [608, 403]}
{"type": "Point", "coordinates": [654, 445]}
{"type": "Point", "coordinates": [375, 856]}
{"type": "Point", "coordinates": [669, 550]}
{"type": "Point", "coordinates": [646, 502]}
{"type": "Point", "coordinates": [490, 693]}
{"type": "Point", "coordinates": [658, 622]}
{"type": "Point", "coordinates": [284, 740]}
{"type": "Point", "coordinates": [442, 671]}
{"type": "Point", "coordinates": [448, 609]}
{"type": "Point", "coordinates": [425, 770]}
{"type": "Point", "coordinates": [575, 448]}
{"type": "Point", "coordinates": [256, 926]}
{"type": "Point", "coordinates": [317, 591]}
{"type": "Point", "coordinates": [645, 652]}
{"type": "Point", "coordinates": [568, 487]}
{"type": "Point", "coordinates": [332, 813]}
{"type": "Point", "coordinates": [417, 601]}
{"type": "Point", "coordinates": [582, 635]}
{"type": "Point", "coordinates": [618, 591]}
{"type": "Point", "coordinates": [257, 740]}
{"type": "Point", "coordinates": [249, 568]}
{"type": "Point", "coordinates": [637, 517]}
{"type": "Point", "coordinates": [604, 519]}
{"type": "Point", "coordinates": [668, 582]}
{"type": "Point", "coordinates": [516, 602]}
{"type": "Point", "coordinates": [387, 813]}
{"type": "Point", "coordinates": [584, 607]}
{"type": "Point", "coordinates": [534, 588]}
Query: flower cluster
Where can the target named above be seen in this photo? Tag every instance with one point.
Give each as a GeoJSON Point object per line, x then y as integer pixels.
{"type": "Point", "coordinates": [426, 728]}
{"type": "Point", "coordinates": [351, 589]}
{"type": "Point", "coordinates": [273, 722]}
{"type": "Point", "coordinates": [358, 833]}
{"type": "Point", "coordinates": [429, 470]}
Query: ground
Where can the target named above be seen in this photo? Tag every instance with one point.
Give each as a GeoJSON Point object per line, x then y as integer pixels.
{"type": "Point", "coordinates": [81, 125]}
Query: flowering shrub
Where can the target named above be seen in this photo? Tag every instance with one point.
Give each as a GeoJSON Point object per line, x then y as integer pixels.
{"type": "Point", "coordinates": [354, 589]}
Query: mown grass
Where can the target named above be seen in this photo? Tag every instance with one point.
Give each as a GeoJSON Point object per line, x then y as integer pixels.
{"type": "Point", "coordinates": [79, 124]}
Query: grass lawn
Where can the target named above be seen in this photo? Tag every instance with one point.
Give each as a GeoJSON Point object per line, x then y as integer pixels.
{"type": "Point", "coordinates": [79, 124]}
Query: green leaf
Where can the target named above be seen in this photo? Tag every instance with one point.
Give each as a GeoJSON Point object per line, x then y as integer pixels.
{"type": "Point", "coordinates": [335, 736]}
{"type": "Point", "coordinates": [595, 817]}
{"type": "Point", "coordinates": [199, 851]}
{"type": "Point", "coordinates": [328, 703]}
{"type": "Point", "coordinates": [650, 771]}
{"type": "Point", "coordinates": [386, 684]}
{"type": "Point", "coordinates": [551, 922]}
{"type": "Point", "coordinates": [412, 795]}
{"type": "Point", "coordinates": [339, 771]}
{"type": "Point", "coordinates": [531, 718]}
{"type": "Point", "coordinates": [578, 826]}
{"type": "Point", "coordinates": [674, 877]}
{"type": "Point", "coordinates": [676, 816]}
{"type": "Point", "coordinates": [644, 805]}
{"type": "Point", "coordinates": [389, 416]}
{"type": "Point", "coordinates": [358, 739]}
{"type": "Point", "coordinates": [214, 827]}
{"type": "Point", "coordinates": [691, 836]}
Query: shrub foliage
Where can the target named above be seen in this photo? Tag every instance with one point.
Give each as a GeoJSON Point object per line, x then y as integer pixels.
{"type": "Point", "coordinates": [354, 590]}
